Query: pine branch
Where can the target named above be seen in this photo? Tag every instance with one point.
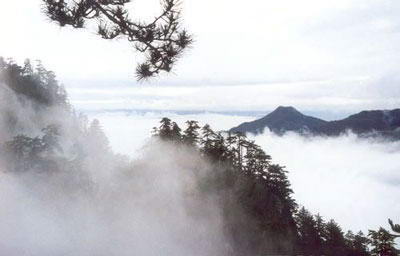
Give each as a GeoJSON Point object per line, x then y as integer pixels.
{"type": "Point", "coordinates": [162, 41]}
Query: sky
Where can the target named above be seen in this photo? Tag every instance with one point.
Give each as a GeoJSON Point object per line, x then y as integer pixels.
{"type": "Point", "coordinates": [338, 56]}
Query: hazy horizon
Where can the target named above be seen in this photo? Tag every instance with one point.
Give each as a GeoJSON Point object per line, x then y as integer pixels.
{"type": "Point", "coordinates": [335, 58]}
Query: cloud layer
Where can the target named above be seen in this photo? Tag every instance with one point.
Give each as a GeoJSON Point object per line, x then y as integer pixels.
{"type": "Point", "coordinates": [354, 181]}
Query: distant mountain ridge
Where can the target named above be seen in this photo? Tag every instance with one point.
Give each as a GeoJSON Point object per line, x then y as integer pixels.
{"type": "Point", "coordinates": [284, 119]}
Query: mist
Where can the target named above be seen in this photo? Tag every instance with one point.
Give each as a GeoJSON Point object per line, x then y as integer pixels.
{"type": "Point", "coordinates": [64, 191]}
{"type": "Point", "coordinates": [350, 179]}
{"type": "Point", "coordinates": [353, 180]}
{"type": "Point", "coordinates": [103, 185]}
{"type": "Point", "coordinates": [151, 208]}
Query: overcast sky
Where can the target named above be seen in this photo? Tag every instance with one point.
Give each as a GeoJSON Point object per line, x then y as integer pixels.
{"type": "Point", "coordinates": [317, 55]}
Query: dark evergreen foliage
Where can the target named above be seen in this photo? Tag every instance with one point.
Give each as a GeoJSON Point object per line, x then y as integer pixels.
{"type": "Point", "coordinates": [191, 133]}
{"type": "Point", "coordinates": [310, 239]}
{"type": "Point", "coordinates": [357, 244]}
{"type": "Point", "coordinates": [36, 83]}
{"type": "Point", "coordinates": [38, 153]}
{"type": "Point", "coordinates": [382, 243]}
{"type": "Point", "coordinates": [395, 228]}
{"type": "Point", "coordinates": [261, 217]}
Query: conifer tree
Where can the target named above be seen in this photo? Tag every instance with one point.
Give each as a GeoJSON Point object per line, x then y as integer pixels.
{"type": "Point", "coordinates": [191, 133]}
{"type": "Point", "coordinates": [50, 139]}
{"type": "Point", "coordinates": [176, 132]}
{"type": "Point", "coordinates": [334, 241]}
{"type": "Point", "coordinates": [382, 243]}
{"type": "Point", "coordinates": [320, 225]}
{"type": "Point", "coordinates": [357, 244]}
{"type": "Point", "coordinates": [165, 129]}
{"type": "Point", "coordinates": [230, 146]}
{"type": "Point", "coordinates": [310, 241]}
{"type": "Point", "coordinates": [395, 228]}
{"type": "Point", "coordinates": [207, 138]}
{"type": "Point", "coordinates": [36, 83]}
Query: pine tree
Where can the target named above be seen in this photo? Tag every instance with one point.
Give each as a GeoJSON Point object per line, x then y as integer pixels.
{"type": "Point", "coordinates": [395, 228]}
{"type": "Point", "coordinates": [191, 133]}
{"type": "Point", "coordinates": [50, 139]}
{"type": "Point", "coordinates": [239, 149]}
{"type": "Point", "coordinates": [382, 243]}
{"type": "Point", "coordinates": [335, 243]}
{"type": "Point", "coordinates": [320, 225]}
{"type": "Point", "coordinates": [213, 145]}
{"type": "Point", "coordinates": [357, 244]}
{"type": "Point", "coordinates": [176, 132]}
{"type": "Point", "coordinates": [165, 129]}
{"type": "Point", "coordinates": [207, 139]}
{"type": "Point", "coordinates": [310, 242]}
{"type": "Point", "coordinates": [37, 84]}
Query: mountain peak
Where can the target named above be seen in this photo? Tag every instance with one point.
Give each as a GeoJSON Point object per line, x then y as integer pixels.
{"type": "Point", "coordinates": [286, 109]}
{"type": "Point", "coordinates": [282, 119]}
{"type": "Point", "coordinates": [287, 118]}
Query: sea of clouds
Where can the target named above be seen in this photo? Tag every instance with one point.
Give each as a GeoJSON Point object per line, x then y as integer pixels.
{"type": "Point", "coordinates": [354, 181]}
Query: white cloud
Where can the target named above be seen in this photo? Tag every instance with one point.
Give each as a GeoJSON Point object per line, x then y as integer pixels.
{"type": "Point", "coordinates": [354, 181]}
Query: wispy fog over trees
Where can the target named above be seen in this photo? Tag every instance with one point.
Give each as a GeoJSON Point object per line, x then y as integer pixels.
{"type": "Point", "coordinates": [260, 214]}
{"type": "Point", "coordinates": [33, 81]}
{"type": "Point", "coordinates": [192, 191]}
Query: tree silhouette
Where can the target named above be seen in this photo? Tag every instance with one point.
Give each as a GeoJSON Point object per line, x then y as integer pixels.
{"type": "Point", "coordinates": [310, 241]}
{"type": "Point", "coordinates": [334, 241]}
{"type": "Point", "coordinates": [357, 244]}
{"type": "Point", "coordinates": [382, 243]}
{"type": "Point", "coordinates": [36, 83]}
{"type": "Point", "coordinates": [191, 134]}
{"type": "Point", "coordinates": [395, 228]}
{"type": "Point", "coordinates": [164, 132]}
{"type": "Point", "coordinates": [38, 153]}
{"type": "Point", "coordinates": [161, 41]}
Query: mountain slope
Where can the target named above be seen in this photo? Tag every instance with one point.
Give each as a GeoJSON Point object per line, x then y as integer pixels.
{"type": "Point", "coordinates": [364, 122]}
{"type": "Point", "coordinates": [283, 119]}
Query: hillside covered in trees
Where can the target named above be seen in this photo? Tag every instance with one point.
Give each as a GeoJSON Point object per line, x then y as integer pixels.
{"type": "Point", "coordinates": [192, 191]}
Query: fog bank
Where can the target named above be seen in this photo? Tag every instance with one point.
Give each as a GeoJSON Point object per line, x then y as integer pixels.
{"type": "Point", "coordinates": [150, 208]}
{"type": "Point", "coordinates": [354, 181]}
